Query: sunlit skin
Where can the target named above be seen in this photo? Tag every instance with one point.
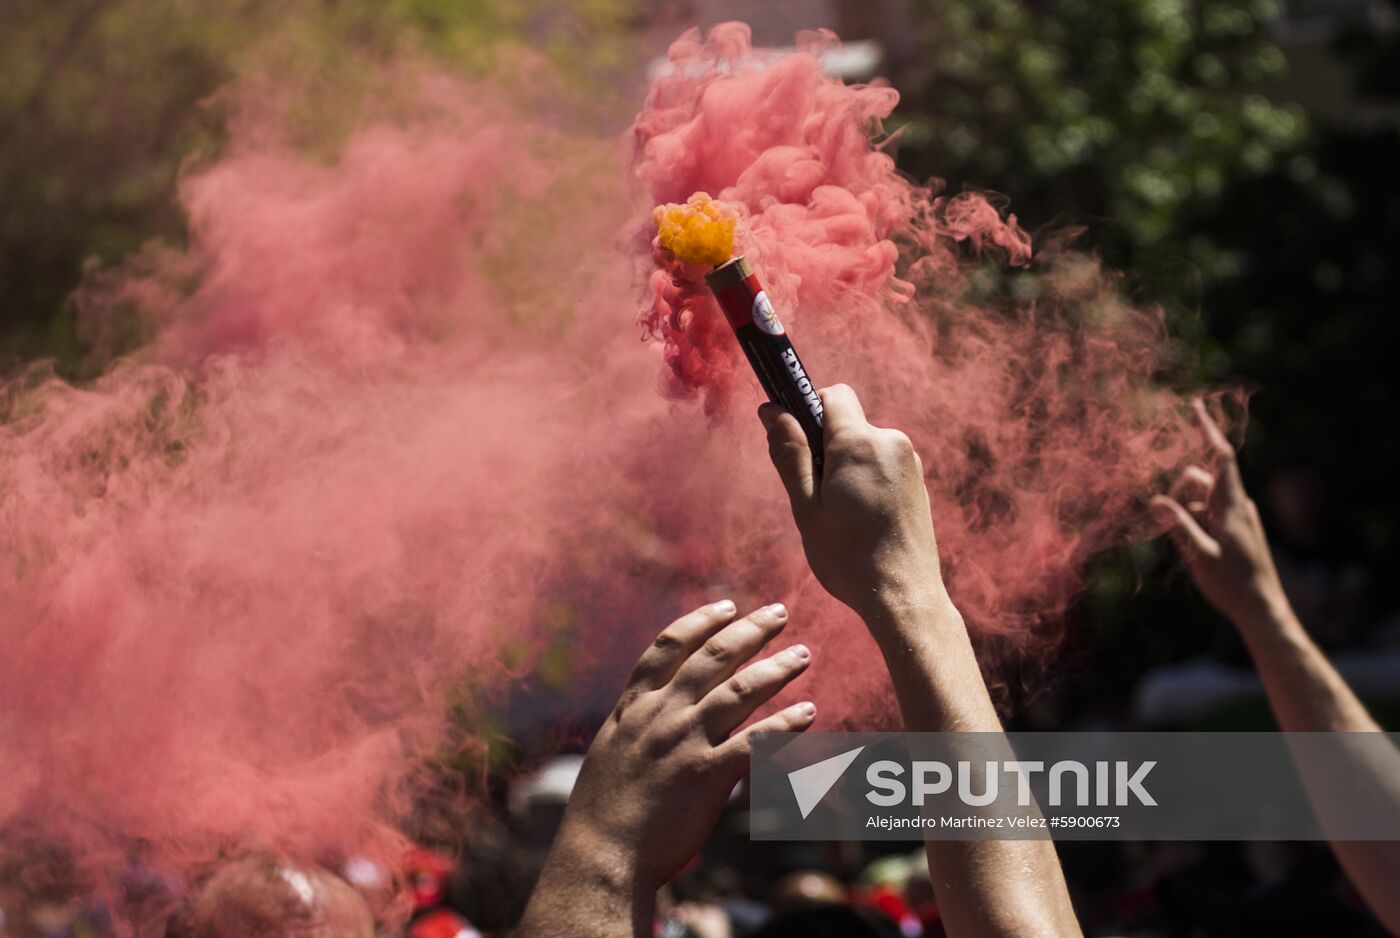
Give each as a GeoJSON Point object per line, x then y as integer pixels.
{"type": "Point", "coordinates": [866, 526]}
{"type": "Point", "coordinates": [661, 769]}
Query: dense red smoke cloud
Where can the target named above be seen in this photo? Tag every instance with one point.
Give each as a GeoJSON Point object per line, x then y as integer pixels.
{"type": "Point", "coordinates": [1041, 422]}
{"type": "Point", "coordinates": [393, 442]}
{"type": "Point", "coordinates": [380, 453]}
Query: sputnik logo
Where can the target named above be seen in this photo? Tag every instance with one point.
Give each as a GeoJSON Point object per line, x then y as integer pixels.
{"type": "Point", "coordinates": [811, 783]}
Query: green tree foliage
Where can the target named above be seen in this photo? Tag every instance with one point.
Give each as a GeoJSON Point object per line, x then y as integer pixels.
{"type": "Point", "coordinates": [99, 103]}
{"type": "Point", "coordinates": [103, 101]}
{"type": "Point", "coordinates": [1123, 114]}
{"type": "Point", "coordinates": [1271, 237]}
{"type": "Point", "coordinates": [1313, 313]}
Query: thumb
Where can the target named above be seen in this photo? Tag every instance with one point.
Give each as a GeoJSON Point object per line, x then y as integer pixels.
{"type": "Point", "coordinates": [1191, 539]}
{"type": "Point", "coordinates": [792, 457]}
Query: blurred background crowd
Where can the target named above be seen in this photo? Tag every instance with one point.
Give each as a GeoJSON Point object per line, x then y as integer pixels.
{"type": "Point", "coordinates": [1238, 160]}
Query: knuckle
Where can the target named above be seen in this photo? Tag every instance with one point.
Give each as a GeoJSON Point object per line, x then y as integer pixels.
{"type": "Point", "coordinates": [626, 700]}
{"type": "Point", "coordinates": [785, 452]}
{"type": "Point", "coordinates": [705, 762]}
{"type": "Point", "coordinates": [667, 731]}
{"type": "Point", "coordinates": [709, 761]}
{"type": "Point", "coordinates": [641, 674]}
{"type": "Point", "coordinates": [741, 685]}
{"type": "Point", "coordinates": [666, 642]}
{"type": "Point", "coordinates": [623, 726]}
{"type": "Point", "coordinates": [899, 441]}
{"type": "Point", "coordinates": [897, 449]}
{"type": "Point", "coordinates": [679, 724]}
{"type": "Point", "coordinates": [860, 445]}
{"type": "Point", "coordinates": [716, 649]}
{"type": "Point", "coordinates": [636, 703]}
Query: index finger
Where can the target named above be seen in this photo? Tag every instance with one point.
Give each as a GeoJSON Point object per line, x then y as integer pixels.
{"type": "Point", "coordinates": [843, 412]}
{"type": "Point", "coordinates": [1215, 437]}
{"type": "Point", "coordinates": [729, 649]}
{"type": "Point", "coordinates": [678, 641]}
{"type": "Point", "coordinates": [1229, 473]}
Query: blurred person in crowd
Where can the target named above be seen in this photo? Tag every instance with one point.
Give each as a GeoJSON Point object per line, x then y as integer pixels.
{"type": "Point", "coordinates": [708, 899]}
{"type": "Point", "coordinates": [661, 768]}
{"type": "Point", "coordinates": [891, 886]}
{"type": "Point", "coordinates": [428, 875]}
{"type": "Point", "coordinates": [43, 894]}
{"type": "Point", "coordinates": [264, 897]}
{"type": "Point", "coordinates": [806, 902]}
{"type": "Point", "coordinates": [1283, 890]}
{"type": "Point", "coordinates": [807, 887]}
{"type": "Point", "coordinates": [829, 921]}
{"type": "Point", "coordinates": [1218, 530]}
{"type": "Point", "coordinates": [697, 920]}
{"type": "Point", "coordinates": [493, 880]}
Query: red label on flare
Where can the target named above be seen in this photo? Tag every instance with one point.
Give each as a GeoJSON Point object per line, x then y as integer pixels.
{"type": "Point", "coordinates": [745, 302]}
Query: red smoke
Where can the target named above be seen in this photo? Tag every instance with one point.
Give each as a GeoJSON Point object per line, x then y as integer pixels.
{"type": "Point", "coordinates": [1041, 424]}
{"type": "Point", "coordinates": [392, 444]}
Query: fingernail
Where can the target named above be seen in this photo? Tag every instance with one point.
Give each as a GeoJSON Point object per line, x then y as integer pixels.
{"type": "Point", "coordinates": [766, 417]}
{"type": "Point", "coordinates": [724, 606]}
{"type": "Point", "coordinates": [800, 652]}
{"type": "Point", "coordinates": [777, 611]}
{"type": "Point", "coordinates": [808, 709]}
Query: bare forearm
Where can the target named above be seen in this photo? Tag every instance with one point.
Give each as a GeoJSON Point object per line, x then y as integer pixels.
{"type": "Point", "coordinates": [1222, 539]}
{"type": "Point", "coordinates": [1306, 693]}
{"type": "Point", "coordinates": [933, 669]}
{"type": "Point", "coordinates": [984, 887]}
{"type": "Point", "coordinates": [586, 891]}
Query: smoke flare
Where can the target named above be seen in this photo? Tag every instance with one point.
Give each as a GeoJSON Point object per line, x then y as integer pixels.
{"type": "Point", "coordinates": [1040, 420]}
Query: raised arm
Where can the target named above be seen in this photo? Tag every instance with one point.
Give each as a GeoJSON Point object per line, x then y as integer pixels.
{"type": "Point", "coordinates": [867, 529]}
{"type": "Point", "coordinates": [1217, 528]}
{"type": "Point", "coordinates": [659, 771]}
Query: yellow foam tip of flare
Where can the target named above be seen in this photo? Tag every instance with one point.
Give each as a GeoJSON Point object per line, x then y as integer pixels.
{"type": "Point", "coordinates": [701, 231]}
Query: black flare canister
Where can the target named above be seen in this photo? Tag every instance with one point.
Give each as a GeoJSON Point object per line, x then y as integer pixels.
{"type": "Point", "coordinates": [761, 336]}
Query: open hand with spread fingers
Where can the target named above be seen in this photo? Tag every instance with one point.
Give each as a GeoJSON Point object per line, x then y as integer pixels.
{"type": "Point", "coordinates": [661, 768]}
